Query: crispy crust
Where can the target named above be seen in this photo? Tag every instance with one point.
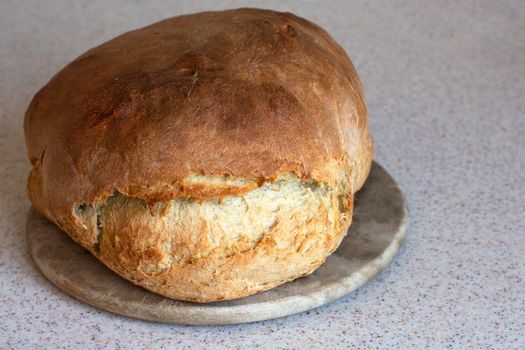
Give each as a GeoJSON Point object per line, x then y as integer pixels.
{"type": "Point", "coordinates": [244, 95]}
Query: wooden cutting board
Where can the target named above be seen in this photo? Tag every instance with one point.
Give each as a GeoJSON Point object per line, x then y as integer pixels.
{"type": "Point", "coordinates": [377, 232]}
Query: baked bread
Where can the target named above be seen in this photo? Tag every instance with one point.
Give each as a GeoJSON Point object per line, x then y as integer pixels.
{"type": "Point", "coordinates": [205, 157]}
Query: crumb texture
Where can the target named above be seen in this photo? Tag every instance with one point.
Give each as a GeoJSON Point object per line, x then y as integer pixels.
{"type": "Point", "coordinates": [221, 247]}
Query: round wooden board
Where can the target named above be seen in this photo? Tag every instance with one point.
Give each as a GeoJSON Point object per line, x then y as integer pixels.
{"type": "Point", "coordinates": [377, 231]}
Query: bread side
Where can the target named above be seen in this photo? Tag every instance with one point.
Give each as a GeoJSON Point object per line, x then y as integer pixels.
{"type": "Point", "coordinates": [219, 248]}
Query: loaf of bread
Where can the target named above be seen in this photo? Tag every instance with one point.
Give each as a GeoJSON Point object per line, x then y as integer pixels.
{"type": "Point", "coordinates": [205, 157]}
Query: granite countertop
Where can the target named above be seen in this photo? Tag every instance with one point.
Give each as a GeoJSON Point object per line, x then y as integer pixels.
{"type": "Point", "coordinates": [445, 86]}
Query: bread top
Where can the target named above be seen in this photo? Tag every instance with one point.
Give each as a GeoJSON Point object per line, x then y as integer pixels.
{"type": "Point", "coordinates": [244, 95]}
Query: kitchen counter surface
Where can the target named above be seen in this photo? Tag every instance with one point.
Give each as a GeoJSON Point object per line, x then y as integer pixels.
{"type": "Point", "coordinates": [445, 86]}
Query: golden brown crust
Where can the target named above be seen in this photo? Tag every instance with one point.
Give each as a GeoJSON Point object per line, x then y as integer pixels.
{"type": "Point", "coordinates": [243, 94]}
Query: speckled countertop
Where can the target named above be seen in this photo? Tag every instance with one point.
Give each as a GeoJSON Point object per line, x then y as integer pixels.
{"type": "Point", "coordinates": [445, 85]}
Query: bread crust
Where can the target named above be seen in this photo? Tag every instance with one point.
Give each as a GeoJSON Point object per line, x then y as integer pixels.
{"type": "Point", "coordinates": [242, 96]}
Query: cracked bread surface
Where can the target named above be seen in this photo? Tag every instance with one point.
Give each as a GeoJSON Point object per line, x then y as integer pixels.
{"type": "Point", "coordinates": [220, 249]}
{"type": "Point", "coordinates": [219, 159]}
